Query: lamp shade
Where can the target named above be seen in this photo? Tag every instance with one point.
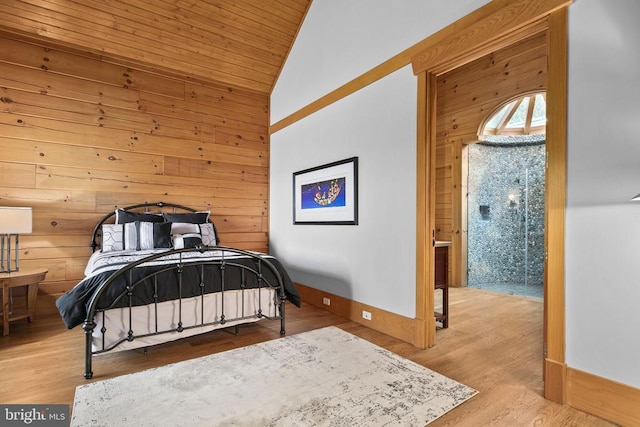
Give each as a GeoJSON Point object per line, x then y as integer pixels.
{"type": "Point", "coordinates": [14, 220]}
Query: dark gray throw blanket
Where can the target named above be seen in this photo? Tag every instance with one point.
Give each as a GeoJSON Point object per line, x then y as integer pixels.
{"type": "Point", "coordinates": [196, 279]}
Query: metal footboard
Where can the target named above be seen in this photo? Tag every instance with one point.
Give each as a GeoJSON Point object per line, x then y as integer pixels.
{"type": "Point", "coordinates": [254, 276]}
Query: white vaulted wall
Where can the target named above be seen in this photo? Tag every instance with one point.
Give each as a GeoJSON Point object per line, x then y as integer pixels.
{"type": "Point", "coordinates": [341, 40]}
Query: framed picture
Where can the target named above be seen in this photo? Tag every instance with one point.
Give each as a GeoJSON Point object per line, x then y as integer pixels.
{"type": "Point", "coordinates": [327, 194]}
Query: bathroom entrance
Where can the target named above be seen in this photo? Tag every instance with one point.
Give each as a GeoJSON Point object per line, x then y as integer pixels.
{"type": "Point", "coordinates": [505, 199]}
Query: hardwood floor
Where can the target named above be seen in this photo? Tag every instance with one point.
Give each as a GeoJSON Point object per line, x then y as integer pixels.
{"type": "Point", "coordinates": [493, 343]}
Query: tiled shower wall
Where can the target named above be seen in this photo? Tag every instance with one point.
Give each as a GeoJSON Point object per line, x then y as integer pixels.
{"type": "Point", "coordinates": [497, 218]}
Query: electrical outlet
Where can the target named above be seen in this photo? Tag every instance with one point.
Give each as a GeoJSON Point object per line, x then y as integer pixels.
{"type": "Point", "coordinates": [366, 315]}
{"type": "Point", "coordinates": [326, 301]}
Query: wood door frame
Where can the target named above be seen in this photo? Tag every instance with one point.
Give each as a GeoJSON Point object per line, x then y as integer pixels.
{"type": "Point", "coordinates": [505, 23]}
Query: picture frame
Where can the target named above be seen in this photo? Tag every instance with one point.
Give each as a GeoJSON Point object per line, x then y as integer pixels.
{"type": "Point", "coordinates": [327, 194]}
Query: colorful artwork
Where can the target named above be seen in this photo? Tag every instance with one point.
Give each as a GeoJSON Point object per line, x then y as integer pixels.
{"type": "Point", "coordinates": [324, 194]}
{"type": "Point", "coordinates": [327, 194]}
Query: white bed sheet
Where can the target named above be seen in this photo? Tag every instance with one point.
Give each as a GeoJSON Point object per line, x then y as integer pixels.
{"type": "Point", "coordinates": [237, 304]}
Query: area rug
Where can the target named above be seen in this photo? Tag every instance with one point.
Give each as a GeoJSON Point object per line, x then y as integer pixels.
{"type": "Point", "coordinates": [325, 377]}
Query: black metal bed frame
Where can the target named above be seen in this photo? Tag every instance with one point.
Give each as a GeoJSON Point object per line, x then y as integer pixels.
{"type": "Point", "coordinates": [226, 259]}
{"type": "Point", "coordinates": [97, 230]}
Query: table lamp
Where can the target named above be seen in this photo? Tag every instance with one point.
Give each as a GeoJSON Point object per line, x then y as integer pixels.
{"type": "Point", "coordinates": [13, 221]}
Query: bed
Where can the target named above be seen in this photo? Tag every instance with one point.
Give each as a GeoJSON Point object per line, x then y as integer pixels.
{"type": "Point", "coordinates": [158, 273]}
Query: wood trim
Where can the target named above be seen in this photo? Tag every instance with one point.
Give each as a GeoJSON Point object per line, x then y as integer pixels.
{"type": "Point", "coordinates": [602, 397]}
{"type": "Point", "coordinates": [371, 76]}
{"type": "Point", "coordinates": [425, 211]}
{"type": "Point", "coordinates": [429, 281]}
{"type": "Point", "coordinates": [457, 222]}
{"type": "Point", "coordinates": [423, 305]}
{"type": "Point", "coordinates": [554, 375]}
{"type": "Point", "coordinates": [512, 22]}
{"type": "Point", "coordinates": [392, 324]}
{"type": "Point", "coordinates": [463, 256]}
{"type": "Point", "coordinates": [554, 300]}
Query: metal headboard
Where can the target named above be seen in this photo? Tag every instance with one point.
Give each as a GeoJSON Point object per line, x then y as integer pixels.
{"type": "Point", "coordinates": [97, 230]}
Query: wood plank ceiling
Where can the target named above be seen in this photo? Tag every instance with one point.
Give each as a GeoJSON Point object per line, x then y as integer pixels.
{"type": "Point", "coordinates": [238, 43]}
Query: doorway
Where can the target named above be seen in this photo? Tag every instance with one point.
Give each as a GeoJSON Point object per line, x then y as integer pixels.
{"type": "Point", "coordinates": [442, 55]}
{"type": "Point", "coordinates": [506, 199]}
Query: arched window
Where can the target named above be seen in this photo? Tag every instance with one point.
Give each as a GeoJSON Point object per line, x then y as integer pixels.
{"type": "Point", "coordinates": [523, 116]}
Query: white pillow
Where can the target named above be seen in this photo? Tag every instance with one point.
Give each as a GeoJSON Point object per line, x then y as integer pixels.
{"type": "Point", "coordinates": [208, 234]}
{"type": "Point", "coordinates": [112, 237]}
{"type": "Point", "coordinates": [185, 235]}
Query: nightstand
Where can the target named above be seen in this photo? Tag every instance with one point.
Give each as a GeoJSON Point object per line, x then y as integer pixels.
{"type": "Point", "coordinates": [28, 277]}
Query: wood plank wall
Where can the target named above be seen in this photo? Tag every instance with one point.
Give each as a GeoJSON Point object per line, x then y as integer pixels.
{"type": "Point", "coordinates": [80, 137]}
{"type": "Point", "coordinates": [466, 95]}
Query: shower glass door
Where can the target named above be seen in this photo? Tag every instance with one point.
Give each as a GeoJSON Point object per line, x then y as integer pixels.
{"type": "Point", "coordinates": [506, 217]}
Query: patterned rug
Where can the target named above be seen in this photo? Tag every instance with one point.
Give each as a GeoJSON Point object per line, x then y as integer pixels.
{"type": "Point", "coordinates": [325, 377]}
